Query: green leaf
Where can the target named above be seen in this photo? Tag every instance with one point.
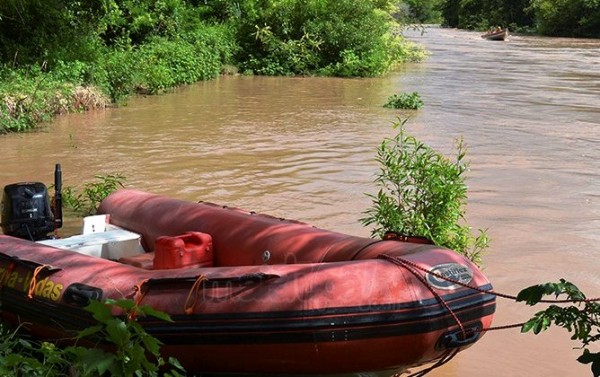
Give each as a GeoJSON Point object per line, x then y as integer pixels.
{"type": "Point", "coordinates": [124, 304]}
{"type": "Point", "coordinates": [89, 331]}
{"type": "Point", "coordinates": [148, 310]}
{"type": "Point", "coordinates": [117, 331]}
{"type": "Point", "coordinates": [588, 357]}
{"type": "Point", "coordinates": [96, 360]}
{"type": "Point", "coordinates": [596, 367]}
{"type": "Point", "coordinates": [527, 326]}
{"type": "Point", "coordinates": [100, 311]}
{"type": "Point", "coordinates": [531, 295]}
{"type": "Point", "coordinates": [152, 344]}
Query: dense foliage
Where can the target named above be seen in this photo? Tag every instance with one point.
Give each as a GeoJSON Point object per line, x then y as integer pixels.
{"type": "Point", "coordinates": [408, 101]}
{"type": "Point", "coordinates": [423, 193]}
{"type": "Point", "coordinates": [86, 201]}
{"type": "Point", "coordinates": [565, 18]}
{"type": "Point", "coordinates": [568, 18]}
{"type": "Point", "coordinates": [58, 56]}
{"type": "Point", "coordinates": [135, 352]}
{"type": "Point", "coordinates": [341, 38]}
{"type": "Point", "coordinates": [419, 11]}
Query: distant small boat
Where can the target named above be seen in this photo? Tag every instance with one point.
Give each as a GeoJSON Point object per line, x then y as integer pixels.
{"type": "Point", "coordinates": [496, 35]}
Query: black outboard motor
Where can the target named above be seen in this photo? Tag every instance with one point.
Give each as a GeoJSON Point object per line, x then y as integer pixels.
{"type": "Point", "coordinates": [26, 210]}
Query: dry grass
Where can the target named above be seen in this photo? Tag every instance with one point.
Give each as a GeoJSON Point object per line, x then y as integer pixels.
{"type": "Point", "coordinates": [89, 98]}
{"type": "Point", "coordinates": [79, 98]}
{"type": "Point", "coordinates": [19, 112]}
{"type": "Point", "coordinates": [14, 105]}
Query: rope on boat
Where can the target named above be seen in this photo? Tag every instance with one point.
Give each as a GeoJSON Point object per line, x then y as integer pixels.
{"type": "Point", "coordinates": [413, 267]}
{"type": "Point", "coordinates": [450, 353]}
{"type": "Point", "coordinates": [488, 291]}
{"type": "Point", "coordinates": [189, 309]}
{"type": "Point", "coordinates": [38, 270]}
{"type": "Point", "coordinates": [141, 290]}
{"type": "Point", "coordinates": [402, 263]}
{"type": "Point", "coordinates": [190, 302]}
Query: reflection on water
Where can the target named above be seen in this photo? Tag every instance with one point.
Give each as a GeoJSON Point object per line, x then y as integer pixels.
{"type": "Point", "coordinates": [304, 148]}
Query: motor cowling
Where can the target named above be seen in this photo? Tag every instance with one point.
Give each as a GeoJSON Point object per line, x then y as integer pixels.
{"type": "Point", "coordinates": [26, 211]}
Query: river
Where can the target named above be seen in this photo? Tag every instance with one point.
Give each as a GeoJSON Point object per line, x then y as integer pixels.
{"type": "Point", "coordinates": [304, 148]}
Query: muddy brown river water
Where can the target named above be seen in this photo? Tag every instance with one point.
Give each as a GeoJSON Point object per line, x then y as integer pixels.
{"type": "Point", "coordinates": [303, 148]}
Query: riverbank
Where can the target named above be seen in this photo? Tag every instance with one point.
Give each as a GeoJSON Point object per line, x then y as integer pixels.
{"type": "Point", "coordinates": [127, 50]}
{"type": "Point", "coordinates": [33, 94]}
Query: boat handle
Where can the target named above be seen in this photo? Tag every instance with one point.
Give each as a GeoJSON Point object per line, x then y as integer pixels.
{"type": "Point", "coordinates": [456, 339]}
{"type": "Point", "coordinates": [81, 294]}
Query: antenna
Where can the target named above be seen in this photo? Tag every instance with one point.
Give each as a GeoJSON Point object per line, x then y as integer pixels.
{"type": "Point", "coordinates": [57, 207]}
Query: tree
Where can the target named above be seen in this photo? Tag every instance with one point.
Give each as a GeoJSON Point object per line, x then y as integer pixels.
{"type": "Point", "coordinates": [32, 31]}
{"type": "Point", "coordinates": [423, 11]}
{"type": "Point", "coordinates": [568, 18]}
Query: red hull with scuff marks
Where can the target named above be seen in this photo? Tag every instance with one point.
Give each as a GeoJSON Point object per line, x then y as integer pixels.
{"type": "Point", "coordinates": [319, 302]}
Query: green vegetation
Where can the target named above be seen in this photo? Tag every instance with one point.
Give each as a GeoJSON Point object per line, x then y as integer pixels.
{"type": "Point", "coordinates": [409, 101]}
{"type": "Point", "coordinates": [418, 11]}
{"type": "Point", "coordinates": [117, 48]}
{"type": "Point", "coordinates": [86, 202]}
{"type": "Point", "coordinates": [423, 193]}
{"type": "Point", "coordinates": [136, 353]}
{"type": "Point", "coordinates": [582, 319]}
{"type": "Point", "coordinates": [566, 18]}
{"type": "Point", "coordinates": [481, 15]}
{"type": "Point", "coordinates": [30, 95]}
{"type": "Point", "coordinates": [340, 38]}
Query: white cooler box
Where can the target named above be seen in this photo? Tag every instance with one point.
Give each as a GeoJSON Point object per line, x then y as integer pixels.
{"type": "Point", "coordinates": [100, 239]}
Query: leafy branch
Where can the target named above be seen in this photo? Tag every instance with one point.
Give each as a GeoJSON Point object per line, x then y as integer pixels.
{"type": "Point", "coordinates": [130, 350]}
{"type": "Point", "coordinates": [132, 342]}
{"type": "Point", "coordinates": [581, 319]}
{"type": "Point", "coordinates": [86, 202]}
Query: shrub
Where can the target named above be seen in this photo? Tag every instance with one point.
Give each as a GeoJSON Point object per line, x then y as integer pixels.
{"type": "Point", "coordinates": [569, 18]}
{"type": "Point", "coordinates": [410, 101]}
{"type": "Point", "coordinates": [422, 193]}
{"type": "Point", "coordinates": [116, 73]}
{"type": "Point", "coordinates": [164, 64]}
{"type": "Point", "coordinates": [86, 202]}
{"type": "Point", "coordinates": [135, 352]}
{"type": "Point", "coordinates": [343, 37]}
{"type": "Point", "coordinates": [32, 95]}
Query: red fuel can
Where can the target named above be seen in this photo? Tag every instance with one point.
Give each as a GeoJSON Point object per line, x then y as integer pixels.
{"type": "Point", "coordinates": [192, 249]}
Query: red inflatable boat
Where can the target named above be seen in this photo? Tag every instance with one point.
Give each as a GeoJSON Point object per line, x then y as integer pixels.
{"type": "Point", "coordinates": [251, 293]}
